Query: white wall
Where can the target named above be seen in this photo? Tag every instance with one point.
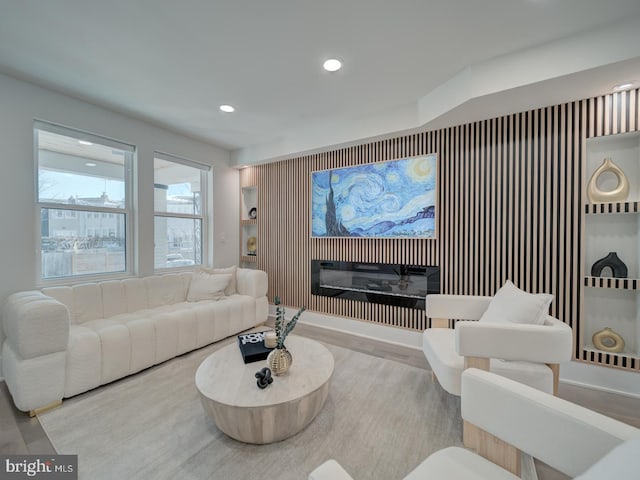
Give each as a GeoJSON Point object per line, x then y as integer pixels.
{"type": "Point", "coordinates": [20, 104]}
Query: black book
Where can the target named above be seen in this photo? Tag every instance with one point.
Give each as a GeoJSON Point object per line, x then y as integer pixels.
{"type": "Point", "coordinates": [252, 347]}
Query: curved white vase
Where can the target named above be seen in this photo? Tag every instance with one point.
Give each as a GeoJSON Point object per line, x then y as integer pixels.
{"type": "Point", "coordinates": [618, 194]}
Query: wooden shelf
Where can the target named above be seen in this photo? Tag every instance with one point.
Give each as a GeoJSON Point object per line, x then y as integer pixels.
{"type": "Point", "coordinates": [608, 208]}
{"type": "Point", "coordinates": [610, 282]}
{"type": "Point", "coordinates": [625, 353]}
{"type": "Point", "coordinates": [250, 221]}
{"type": "Point", "coordinates": [249, 258]}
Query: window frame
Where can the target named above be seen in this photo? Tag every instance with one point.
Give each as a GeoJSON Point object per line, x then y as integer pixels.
{"type": "Point", "coordinates": [128, 210]}
{"type": "Point", "coordinates": [205, 210]}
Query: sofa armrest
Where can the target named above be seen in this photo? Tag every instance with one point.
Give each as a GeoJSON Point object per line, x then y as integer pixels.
{"type": "Point", "coordinates": [529, 419]}
{"type": "Point", "coordinates": [458, 307]}
{"type": "Point", "coordinates": [35, 324]}
{"type": "Point", "coordinates": [252, 282]}
{"type": "Point", "coordinates": [549, 343]}
{"type": "Point", "coordinates": [329, 470]}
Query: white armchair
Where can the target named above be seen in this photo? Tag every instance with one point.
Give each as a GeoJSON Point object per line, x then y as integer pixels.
{"type": "Point", "coordinates": [528, 353]}
{"type": "Point", "coordinates": [509, 417]}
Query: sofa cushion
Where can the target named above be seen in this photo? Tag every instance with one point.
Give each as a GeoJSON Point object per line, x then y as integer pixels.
{"type": "Point", "coordinates": [36, 324]}
{"type": "Point", "coordinates": [87, 299]}
{"type": "Point", "coordinates": [84, 360]}
{"type": "Point", "coordinates": [115, 346]}
{"type": "Point", "coordinates": [65, 296]}
{"type": "Point", "coordinates": [142, 335]}
{"type": "Point", "coordinates": [207, 286]}
{"type": "Point", "coordinates": [164, 290]}
{"type": "Point", "coordinates": [114, 299]}
{"type": "Point", "coordinates": [233, 284]}
{"type": "Point", "coordinates": [510, 304]}
{"type": "Point", "coordinates": [136, 294]}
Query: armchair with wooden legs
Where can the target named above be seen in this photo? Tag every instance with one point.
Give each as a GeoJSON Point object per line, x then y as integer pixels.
{"type": "Point", "coordinates": [508, 417]}
{"type": "Point", "coordinates": [527, 353]}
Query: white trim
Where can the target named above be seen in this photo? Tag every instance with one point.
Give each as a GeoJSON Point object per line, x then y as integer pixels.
{"type": "Point", "coordinates": [167, 157]}
{"type": "Point", "coordinates": [605, 379]}
{"type": "Point", "coordinates": [82, 135]}
{"type": "Point", "coordinates": [382, 333]}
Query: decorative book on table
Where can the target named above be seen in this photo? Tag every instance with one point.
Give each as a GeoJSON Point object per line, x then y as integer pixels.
{"type": "Point", "coordinates": [252, 347]}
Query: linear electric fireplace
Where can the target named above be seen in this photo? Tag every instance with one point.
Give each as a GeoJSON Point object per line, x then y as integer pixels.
{"type": "Point", "coordinates": [386, 283]}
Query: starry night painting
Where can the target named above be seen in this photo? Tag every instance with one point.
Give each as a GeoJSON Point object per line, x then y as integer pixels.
{"type": "Point", "coordinates": [392, 199]}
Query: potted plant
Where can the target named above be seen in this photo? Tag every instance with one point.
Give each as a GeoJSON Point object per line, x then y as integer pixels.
{"type": "Point", "coordinates": [280, 359]}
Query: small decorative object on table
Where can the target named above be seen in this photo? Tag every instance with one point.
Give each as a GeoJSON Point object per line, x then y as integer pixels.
{"type": "Point", "coordinates": [253, 213]}
{"type": "Point", "coordinates": [270, 339]}
{"type": "Point", "coordinates": [608, 340]}
{"type": "Point", "coordinates": [617, 266]}
{"type": "Point", "coordinates": [264, 378]}
{"type": "Point", "coordinates": [252, 347]}
{"type": "Point", "coordinates": [280, 359]}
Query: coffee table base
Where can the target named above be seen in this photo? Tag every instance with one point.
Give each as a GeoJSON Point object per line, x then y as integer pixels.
{"type": "Point", "coordinates": [260, 425]}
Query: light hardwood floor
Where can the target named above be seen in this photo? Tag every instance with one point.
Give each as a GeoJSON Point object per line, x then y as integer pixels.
{"type": "Point", "coordinates": [20, 434]}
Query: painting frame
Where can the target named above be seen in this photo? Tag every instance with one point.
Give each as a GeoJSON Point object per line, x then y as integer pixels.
{"type": "Point", "coordinates": [395, 198]}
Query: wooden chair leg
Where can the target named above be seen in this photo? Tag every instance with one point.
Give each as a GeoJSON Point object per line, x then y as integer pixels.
{"type": "Point", "coordinates": [492, 448]}
{"type": "Point", "coordinates": [45, 408]}
{"type": "Point", "coordinates": [476, 362]}
{"type": "Point", "coordinates": [470, 434]}
{"type": "Point", "coordinates": [439, 323]}
{"type": "Point", "coordinates": [555, 370]}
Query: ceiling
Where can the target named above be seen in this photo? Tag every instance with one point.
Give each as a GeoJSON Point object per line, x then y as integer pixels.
{"type": "Point", "coordinates": [407, 63]}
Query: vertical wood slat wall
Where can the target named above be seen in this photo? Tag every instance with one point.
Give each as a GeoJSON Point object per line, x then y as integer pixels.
{"type": "Point", "coordinates": [510, 202]}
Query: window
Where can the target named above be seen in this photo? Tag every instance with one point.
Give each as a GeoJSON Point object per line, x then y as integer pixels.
{"type": "Point", "coordinates": [81, 177]}
{"type": "Point", "coordinates": [180, 211]}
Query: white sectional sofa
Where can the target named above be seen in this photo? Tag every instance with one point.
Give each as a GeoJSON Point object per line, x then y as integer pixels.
{"type": "Point", "coordinates": [62, 341]}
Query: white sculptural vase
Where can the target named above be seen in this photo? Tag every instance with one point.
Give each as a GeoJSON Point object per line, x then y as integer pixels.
{"type": "Point", "coordinates": [618, 194]}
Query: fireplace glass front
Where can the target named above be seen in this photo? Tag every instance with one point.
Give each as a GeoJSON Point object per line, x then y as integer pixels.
{"type": "Point", "coordinates": [385, 283]}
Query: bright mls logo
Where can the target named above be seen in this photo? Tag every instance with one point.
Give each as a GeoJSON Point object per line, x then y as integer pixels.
{"type": "Point", "coordinates": [252, 338]}
{"type": "Point", "coordinates": [44, 467]}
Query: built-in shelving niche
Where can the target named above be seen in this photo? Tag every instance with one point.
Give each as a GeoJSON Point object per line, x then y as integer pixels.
{"type": "Point", "coordinates": [613, 227]}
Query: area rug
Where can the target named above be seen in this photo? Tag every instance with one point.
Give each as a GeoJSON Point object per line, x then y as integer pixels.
{"type": "Point", "coordinates": [381, 419]}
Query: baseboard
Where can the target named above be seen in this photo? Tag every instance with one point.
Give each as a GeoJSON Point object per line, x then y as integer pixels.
{"type": "Point", "coordinates": [358, 328]}
{"type": "Point", "coordinates": [604, 379]}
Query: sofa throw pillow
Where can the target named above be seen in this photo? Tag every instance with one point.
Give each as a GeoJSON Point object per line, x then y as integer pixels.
{"type": "Point", "coordinates": [207, 286]}
{"type": "Point", "coordinates": [510, 304]}
{"type": "Point", "coordinates": [233, 284]}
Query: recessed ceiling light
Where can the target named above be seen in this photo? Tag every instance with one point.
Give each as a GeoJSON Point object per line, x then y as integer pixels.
{"type": "Point", "coordinates": [332, 65]}
{"type": "Point", "coordinates": [90, 164]}
{"type": "Point", "coordinates": [84, 142]}
{"type": "Point", "coordinates": [623, 86]}
{"type": "Point", "coordinates": [227, 108]}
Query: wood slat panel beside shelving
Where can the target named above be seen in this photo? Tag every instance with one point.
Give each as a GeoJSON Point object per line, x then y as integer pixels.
{"type": "Point", "coordinates": [510, 206]}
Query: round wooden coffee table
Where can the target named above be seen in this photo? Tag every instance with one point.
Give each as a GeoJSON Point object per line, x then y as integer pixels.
{"type": "Point", "coordinates": [240, 409]}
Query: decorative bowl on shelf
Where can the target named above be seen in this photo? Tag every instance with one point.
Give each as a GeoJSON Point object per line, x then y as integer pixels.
{"type": "Point", "coordinates": [252, 244]}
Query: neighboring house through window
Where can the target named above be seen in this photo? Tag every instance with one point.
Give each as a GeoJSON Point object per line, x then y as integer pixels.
{"type": "Point", "coordinates": [84, 201]}
{"type": "Point", "coordinates": [180, 203]}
